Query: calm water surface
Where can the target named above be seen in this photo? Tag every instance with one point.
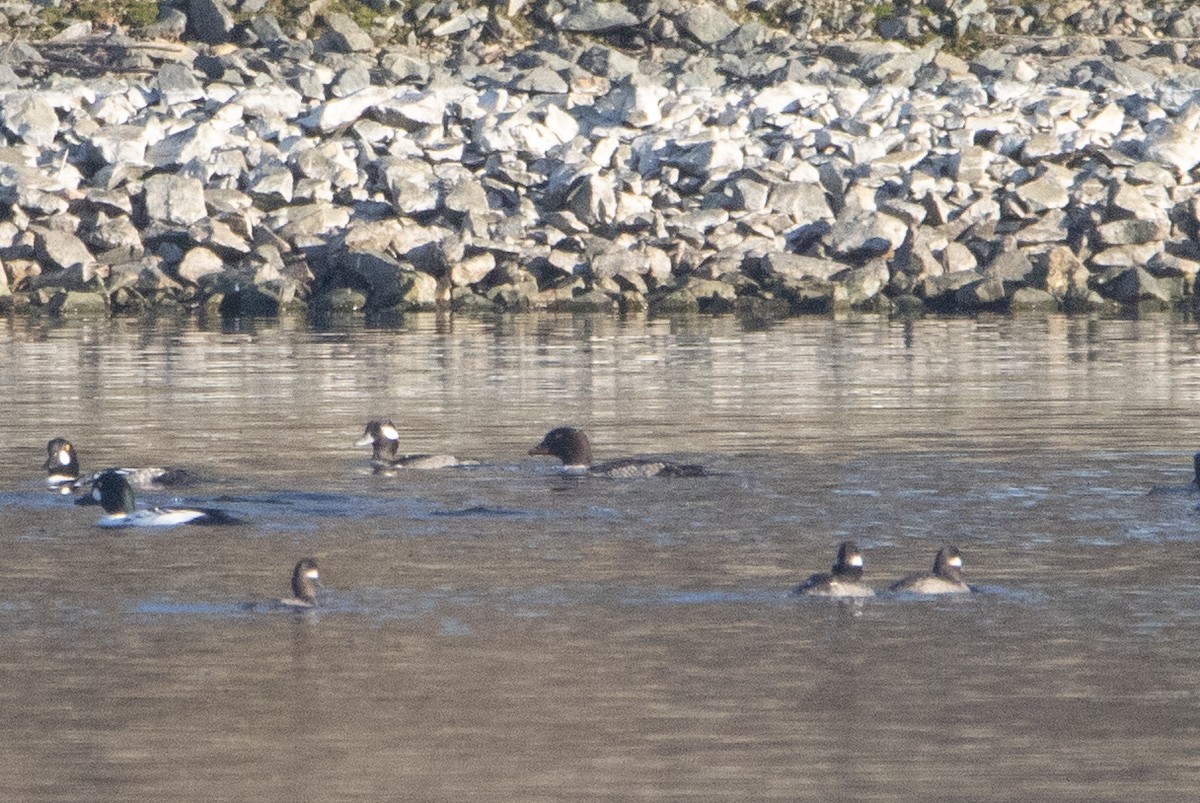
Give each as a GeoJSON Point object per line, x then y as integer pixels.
{"type": "Point", "coordinates": [501, 632]}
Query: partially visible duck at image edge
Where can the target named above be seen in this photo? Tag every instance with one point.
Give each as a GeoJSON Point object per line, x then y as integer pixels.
{"type": "Point", "coordinates": [1191, 487]}
{"type": "Point", "coordinates": [114, 493]}
{"type": "Point", "coordinates": [843, 580]}
{"type": "Point", "coordinates": [946, 577]}
{"type": "Point", "coordinates": [62, 470]}
{"type": "Point", "coordinates": [384, 440]}
{"type": "Point", "coordinates": [573, 448]}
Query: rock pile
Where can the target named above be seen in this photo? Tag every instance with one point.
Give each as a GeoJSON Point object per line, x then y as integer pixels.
{"type": "Point", "coordinates": [659, 156]}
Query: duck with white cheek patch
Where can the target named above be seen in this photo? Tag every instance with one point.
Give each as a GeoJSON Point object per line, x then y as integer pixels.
{"type": "Point", "coordinates": [384, 440]}
{"type": "Point", "coordinates": [62, 472]}
{"type": "Point", "coordinates": [843, 580]}
{"type": "Point", "coordinates": [946, 578]}
{"type": "Point", "coordinates": [306, 577]}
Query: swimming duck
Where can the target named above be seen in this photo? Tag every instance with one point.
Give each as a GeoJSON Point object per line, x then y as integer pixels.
{"type": "Point", "coordinates": [946, 577]}
{"type": "Point", "coordinates": [384, 440]}
{"type": "Point", "coordinates": [843, 580]}
{"type": "Point", "coordinates": [1191, 487]}
{"type": "Point", "coordinates": [572, 447]}
{"type": "Point", "coordinates": [114, 493]}
{"type": "Point", "coordinates": [305, 579]}
{"type": "Point", "coordinates": [62, 470]}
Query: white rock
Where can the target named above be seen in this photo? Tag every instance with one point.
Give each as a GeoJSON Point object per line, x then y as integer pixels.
{"type": "Point", "coordinates": [339, 112]}
{"type": "Point", "coordinates": [1174, 145]}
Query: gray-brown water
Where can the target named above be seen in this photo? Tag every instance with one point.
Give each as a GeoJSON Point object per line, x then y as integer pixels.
{"type": "Point", "coordinates": [501, 632]}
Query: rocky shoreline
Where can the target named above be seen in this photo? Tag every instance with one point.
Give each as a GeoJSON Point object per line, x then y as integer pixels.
{"type": "Point", "coordinates": [666, 157]}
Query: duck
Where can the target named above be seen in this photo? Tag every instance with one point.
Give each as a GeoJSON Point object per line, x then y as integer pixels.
{"type": "Point", "coordinates": [572, 447]}
{"type": "Point", "coordinates": [114, 493]}
{"type": "Point", "coordinates": [1191, 487]}
{"type": "Point", "coordinates": [384, 440]}
{"type": "Point", "coordinates": [62, 471]}
{"type": "Point", "coordinates": [843, 580]}
{"type": "Point", "coordinates": [946, 577]}
{"type": "Point", "coordinates": [306, 577]}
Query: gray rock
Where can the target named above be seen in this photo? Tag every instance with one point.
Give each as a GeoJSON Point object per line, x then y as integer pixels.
{"type": "Point", "coordinates": [60, 250]}
{"type": "Point", "coordinates": [472, 270]}
{"type": "Point", "coordinates": [1130, 201]}
{"type": "Point", "coordinates": [177, 84]}
{"type": "Point", "coordinates": [593, 200]}
{"type": "Point", "coordinates": [121, 144]}
{"type": "Point", "coordinates": [341, 112]}
{"type": "Point", "coordinates": [354, 78]}
{"type": "Point", "coordinates": [812, 296]}
{"type": "Point", "coordinates": [970, 163]}
{"type": "Point", "coordinates": [266, 27]}
{"type": "Point", "coordinates": [1174, 145]}
{"type": "Point", "coordinates": [1010, 266]}
{"type": "Point", "coordinates": [1136, 285]}
{"type": "Point", "coordinates": [171, 24]}
{"type": "Point", "coordinates": [78, 303]}
{"type": "Point", "coordinates": [307, 224]}
{"type": "Point", "coordinates": [116, 233]}
{"type": "Point", "coordinates": [1032, 299]}
{"type": "Point", "coordinates": [1066, 275]}
{"type": "Point", "coordinates": [865, 283]}
{"type": "Point", "coordinates": [199, 263]}
{"type": "Point", "coordinates": [342, 35]}
{"type": "Point", "coordinates": [803, 202]}
{"type": "Point", "coordinates": [1125, 256]}
{"type": "Point", "coordinates": [31, 118]}
{"type": "Point", "coordinates": [273, 183]}
{"type": "Point", "coordinates": [174, 199]}
{"type": "Point", "coordinates": [209, 21]}
{"type": "Point", "coordinates": [410, 185]}
{"type": "Point", "coordinates": [860, 234]}
{"type": "Point", "coordinates": [541, 80]}
{"type": "Point", "coordinates": [587, 301]}
{"type": "Point", "coordinates": [709, 159]}
{"type": "Point", "coordinates": [1130, 232]}
{"type": "Point", "coordinates": [705, 23]}
{"type": "Point", "coordinates": [630, 266]}
{"type": "Point", "coordinates": [1048, 191]}
{"type": "Point", "coordinates": [673, 302]}
{"type": "Point", "coordinates": [797, 267]}
{"type": "Point", "coordinates": [982, 294]}
{"type": "Point", "coordinates": [592, 17]}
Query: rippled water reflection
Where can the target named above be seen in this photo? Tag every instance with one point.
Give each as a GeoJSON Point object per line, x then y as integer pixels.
{"type": "Point", "coordinates": [502, 632]}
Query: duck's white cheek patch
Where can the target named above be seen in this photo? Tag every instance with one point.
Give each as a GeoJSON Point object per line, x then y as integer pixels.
{"type": "Point", "coordinates": [312, 574]}
{"type": "Point", "coordinates": [955, 562]}
{"type": "Point", "coordinates": [389, 432]}
{"type": "Point", "coordinates": [64, 458]}
{"type": "Point", "coordinates": [856, 561]}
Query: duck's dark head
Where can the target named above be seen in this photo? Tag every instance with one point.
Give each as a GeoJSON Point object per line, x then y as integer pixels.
{"type": "Point", "coordinates": [383, 438]}
{"type": "Point", "coordinates": [849, 561]}
{"type": "Point", "coordinates": [61, 460]}
{"type": "Point", "coordinates": [948, 563]}
{"type": "Point", "coordinates": [114, 491]}
{"type": "Point", "coordinates": [568, 444]}
{"type": "Point", "coordinates": [306, 577]}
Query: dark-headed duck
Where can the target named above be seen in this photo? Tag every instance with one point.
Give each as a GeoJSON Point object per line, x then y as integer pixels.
{"type": "Point", "coordinates": [946, 577]}
{"type": "Point", "coordinates": [62, 471]}
{"type": "Point", "coordinates": [384, 440]}
{"type": "Point", "coordinates": [843, 580]}
{"type": "Point", "coordinates": [114, 493]}
{"type": "Point", "coordinates": [572, 447]}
